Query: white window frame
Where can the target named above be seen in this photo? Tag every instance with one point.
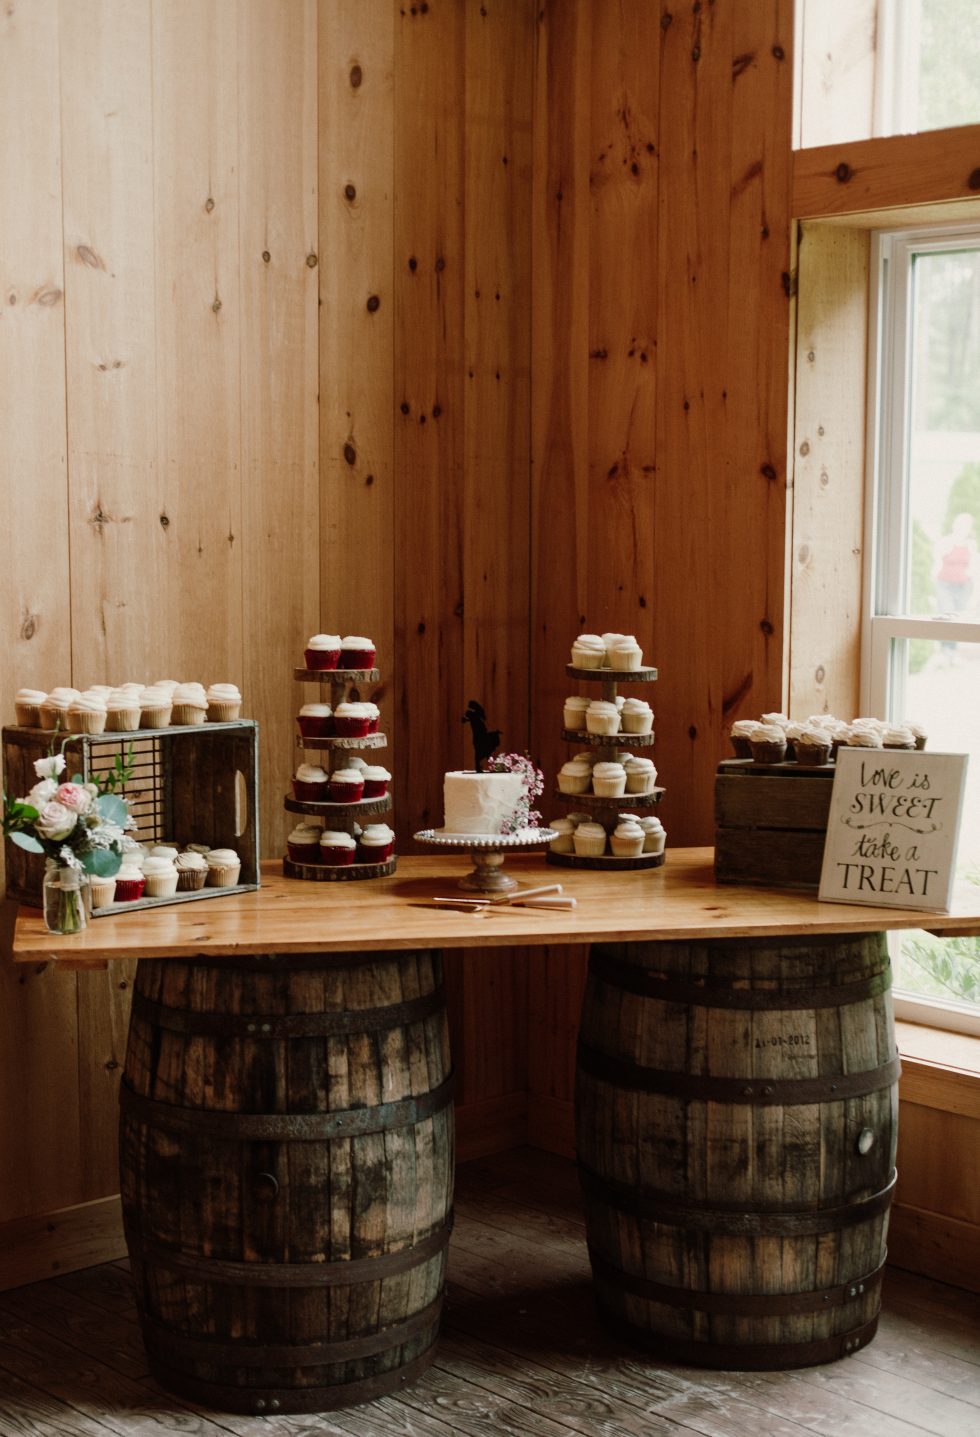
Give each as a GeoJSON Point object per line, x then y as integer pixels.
{"type": "Point", "coordinates": [886, 512]}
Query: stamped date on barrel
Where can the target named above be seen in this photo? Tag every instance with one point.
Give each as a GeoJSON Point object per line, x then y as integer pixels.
{"type": "Point", "coordinates": [784, 1040]}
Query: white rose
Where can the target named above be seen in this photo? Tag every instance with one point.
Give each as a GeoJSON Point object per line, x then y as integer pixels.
{"type": "Point", "coordinates": [42, 793]}
{"type": "Point", "coordinates": [50, 767]}
{"type": "Point", "coordinates": [55, 822]}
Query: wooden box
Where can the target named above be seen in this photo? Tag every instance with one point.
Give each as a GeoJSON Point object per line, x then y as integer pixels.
{"type": "Point", "coordinates": [195, 784]}
{"type": "Point", "coordinates": [771, 822]}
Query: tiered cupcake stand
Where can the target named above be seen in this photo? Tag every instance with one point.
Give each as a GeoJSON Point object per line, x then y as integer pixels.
{"type": "Point", "coordinates": [334, 753]}
{"type": "Point", "coordinates": [612, 748]}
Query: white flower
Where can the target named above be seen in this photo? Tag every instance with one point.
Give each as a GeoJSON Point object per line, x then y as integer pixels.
{"type": "Point", "coordinates": [42, 793]}
{"type": "Point", "coordinates": [55, 822]}
{"type": "Point", "coordinates": [50, 767]}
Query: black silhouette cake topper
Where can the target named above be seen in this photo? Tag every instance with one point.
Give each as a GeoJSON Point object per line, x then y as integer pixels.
{"type": "Point", "coordinates": [485, 741]}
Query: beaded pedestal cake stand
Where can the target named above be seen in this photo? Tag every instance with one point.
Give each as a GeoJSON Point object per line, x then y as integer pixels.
{"type": "Point", "coordinates": [488, 851]}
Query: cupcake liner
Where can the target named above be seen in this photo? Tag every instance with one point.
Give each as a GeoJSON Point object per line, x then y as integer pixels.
{"type": "Point", "coordinates": [186, 714]}
{"type": "Point", "coordinates": [303, 852]}
{"type": "Point", "coordinates": [581, 660]}
{"type": "Point", "coordinates": [638, 783]}
{"type": "Point", "coordinates": [336, 857]}
{"type": "Point", "coordinates": [103, 892]}
{"type": "Point", "coordinates": [156, 717]}
{"type": "Point", "coordinates": [344, 792]}
{"type": "Point", "coordinates": [28, 715]}
{"type": "Point", "coordinates": [373, 724]}
{"type": "Point", "coordinates": [626, 661]}
{"type": "Point", "coordinates": [766, 752]}
{"type": "Point", "coordinates": [311, 792]}
{"type": "Point", "coordinates": [224, 712]}
{"type": "Point", "coordinates": [352, 727]}
{"type": "Point", "coordinates": [357, 658]}
{"type": "Point", "coordinates": [605, 727]}
{"type": "Point", "coordinates": [224, 875]}
{"type": "Point", "coordinates": [742, 748]}
{"type": "Point", "coordinates": [191, 880]}
{"type": "Point", "coordinates": [316, 726]}
{"type": "Point", "coordinates": [626, 847]}
{"type": "Point", "coordinates": [129, 889]}
{"type": "Point", "coordinates": [564, 843]}
{"type": "Point", "coordinates": [589, 847]}
{"type": "Point", "coordinates": [654, 843]}
{"type": "Point", "coordinates": [321, 659]}
{"type": "Point", "coordinates": [52, 718]}
{"type": "Point", "coordinates": [572, 785]}
{"type": "Point", "coordinates": [637, 723]}
{"type": "Point", "coordinates": [123, 720]}
{"type": "Point", "coordinates": [574, 720]}
{"type": "Point", "coordinates": [375, 787]}
{"type": "Point", "coordinates": [609, 787]}
{"type": "Point", "coordinates": [375, 852]}
{"type": "Point", "coordinates": [812, 755]}
{"type": "Point", "coordinates": [90, 722]}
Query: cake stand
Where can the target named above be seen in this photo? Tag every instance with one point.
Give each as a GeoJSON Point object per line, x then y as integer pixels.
{"type": "Point", "coordinates": [488, 852]}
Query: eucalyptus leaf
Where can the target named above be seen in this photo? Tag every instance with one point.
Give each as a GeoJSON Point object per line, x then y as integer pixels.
{"type": "Point", "coordinates": [112, 809]}
{"type": "Point", "coordinates": [103, 862]}
{"type": "Point", "coordinates": [26, 840]}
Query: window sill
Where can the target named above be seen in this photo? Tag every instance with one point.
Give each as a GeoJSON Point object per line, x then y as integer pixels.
{"type": "Point", "coordinates": [939, 1069]}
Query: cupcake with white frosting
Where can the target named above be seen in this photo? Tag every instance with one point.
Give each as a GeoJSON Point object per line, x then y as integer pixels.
{"type": "Point", "coordinates": [336, 849]}
{"type": "Point", "coordinates": [87, 714]}
{"type": "Point", "coordinates": [654, 835]}
{"type": "Point", "coordinates": [129, 882]}
{"type": "Point", "coordinates": [376, 843]}
{"type": "Point", "coordinates": [602, 717]}
{"type": "Point", "coordinates": [346, 785]}
{"type": "Point", "coordinates": [376, 780]}
{"type": "Point", "coordinates": [565, 829]}
{"type": "Point", "coordinates": [53, 712]}
{"type": "Point", "coordinates": [224, 703]}
{"type": "Point", "coordinates": [315, 721]}
{"type": "Point", "coordinates": [311, 783]}
{"type": "Point", "coordinates": [352, 720]}
{"type": "Point", "coordinates": [589, 839]}
{"type": "Point", "coordinates": [192, 871]}
{"type": "Point", "coordinates": [573, 713]}
{"type": "Point", "coordinates": [740, 734]}
{"type": "Point", "coordinates": [27, 706]}
{"type": "Point", "coordinates": [768, 743]}
{"type": "Point", "coordinates": [863, 737]}
{"type": "Point", "coordinates": [812, 746]}
{"type": "Point", "coordinates": [636, 716]}
{"type": "Point", "coordinates": [322, 651]}
{"type": "Point", "coordinates": [897, 736]}
{"type": "Point", "coordinates": [224, 867]}
{"type": "Point", "coordinates": [303, 842]}
{"type": "Point", "coordinates": [575, 776]}
{"type": "Point", "coordinates": [123, 711]}
{"type": "Point", "coordinates": [161, 877]}
{"type": "Point", "coordinates": [626, 839]}
{"type": "Point", "coordinates": [917, 732]}
{"type": "Point", "coordinates": [190, 704]}
{"type": "Point", "coordinates": [641, 774]}
{"type": "Point", "coordinates": [624, 653]}
{"type": "Point", "coordinates": [155, 707]}
{"type": "Point", "coordinates": [356, 652]}
{"type": "Point", "coordinates": [588, 652]}
{"type": "Point", "coordinates": [609, 780]}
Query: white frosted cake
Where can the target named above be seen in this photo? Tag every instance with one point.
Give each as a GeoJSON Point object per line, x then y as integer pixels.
{"type": "Point", "coordinates": [480, 802]}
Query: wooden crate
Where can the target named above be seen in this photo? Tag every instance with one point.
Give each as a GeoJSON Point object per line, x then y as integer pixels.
{"type": "Point", "coordinates": [195, 784]}
{"type": "Point", "coordinates": [771, 823]}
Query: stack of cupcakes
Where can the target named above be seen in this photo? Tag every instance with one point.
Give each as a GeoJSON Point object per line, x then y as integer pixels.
{"type": "Point", "coordinates": [334, 789]}
{"type": "Point", "coordinates": [814, 743]}
{"type": "Point", "coordinates": [127, 707]}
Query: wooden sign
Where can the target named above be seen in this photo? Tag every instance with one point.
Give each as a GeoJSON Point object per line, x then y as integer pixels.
{"type": "Point", "coordinates": [892, 830]}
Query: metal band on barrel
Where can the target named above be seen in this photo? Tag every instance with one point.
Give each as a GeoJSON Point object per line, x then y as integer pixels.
{"type": "Point", "coordinates": [735, 1304]}
{"type": "Point", "coordinates": [758, 1092]}
{"type": "Point", "coordinates": [281, 1127]}
{"type": "Point", "coordinates": [743, 1357]}
{"type": "Point", "coordinates": [711, 994]}
{"type": "Point", "coordinates": [678, 1210]}
{"type": "Point", "coordinates": [287, 1025]}
{"type": "Point", "coordinates": [289, 1274]}
{"type": "Point", "coordinates": [175, 1347]}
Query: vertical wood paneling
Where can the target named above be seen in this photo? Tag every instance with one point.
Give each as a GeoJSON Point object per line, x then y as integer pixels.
{"type": "Point", "coordinates": [428, 441]}
{"type": "Point", "coordinates": [121, 585]}
{"type": "Point", "coordinates": [38, 1022]}
{"type": "Point", "coordinates": [199, 333]}
{"type": "Point", "coordinates": [357, 315]}
{"type": "Point", "coordinates": [837, 45]}
{"type": "Point", "coordinates": [278, 284]}
{"type": "Point", "coordinates": [828, 470]}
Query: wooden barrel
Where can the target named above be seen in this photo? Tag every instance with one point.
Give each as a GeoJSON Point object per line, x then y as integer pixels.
{"type": "Point", "coordinates": [286, 1153]}
{"type": "Point", "coordinates": [736, 1112]}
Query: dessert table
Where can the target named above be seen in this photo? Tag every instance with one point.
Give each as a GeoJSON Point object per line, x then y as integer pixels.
{"type": "Point", "coordinates": [286, 1118]}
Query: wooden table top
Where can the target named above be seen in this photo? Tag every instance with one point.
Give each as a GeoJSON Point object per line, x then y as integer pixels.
{"type": "Point", "coordinates": [678, 901]}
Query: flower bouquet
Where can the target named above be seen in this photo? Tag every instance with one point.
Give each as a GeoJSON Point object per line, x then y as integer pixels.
{"type": "Point", "coordinates": [78, 826]}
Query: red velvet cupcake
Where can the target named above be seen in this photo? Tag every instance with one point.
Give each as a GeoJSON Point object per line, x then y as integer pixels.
{"type": "Point", "coordinates": [311, 783]}
{"type": "Point", "coordinates": [376, 844]}
{"type": "Point", "coordinates": [303, 844]}
{"type": "Point", "coordinates": [356, 653]}
{"type": "Point", "coordinates": [315, 721]}
{"type": "Point", "coordinates": [376, 780]}
{"type": "Point", "coordinates": [374, 717]}
{"type": "Point", "coordinates": [322, 651]}
{"type": "Point", "coordinates": [346, 785]}
{"type": "Point", "coordinates": [352, 720]}
{"type": "Point", "coordinates": [130, 883]}
{"type": "Point", "coordinates": [336, 849]}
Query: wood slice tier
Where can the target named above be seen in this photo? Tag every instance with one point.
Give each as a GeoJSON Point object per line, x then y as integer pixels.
{"type": "Point", "coordinates": [606, 860]}
{"type": "Point", "coordinates": [369, 740]}
{"type": "Point", "coordinates": [338, 872]}
{"type": "Point", "coordinates": [625, 800]}
{"type": "Point", "coordinates": [338, 810]}
{"type": "Point", "coordinates": [601, 676]}
{"type": "Point", "coordinates": [337, 676]}
{"type": "Point", "coordinates": [609, 740]}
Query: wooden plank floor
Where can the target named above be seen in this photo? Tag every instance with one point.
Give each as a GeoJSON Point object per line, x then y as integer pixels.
{"type": "Point", "coordinates": [521, 1352]}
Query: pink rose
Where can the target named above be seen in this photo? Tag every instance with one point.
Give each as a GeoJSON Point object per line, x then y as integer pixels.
{"type": "Point", "coordinates": [74, 796]}
{"type": "Point", "coordinates": [55, 822]}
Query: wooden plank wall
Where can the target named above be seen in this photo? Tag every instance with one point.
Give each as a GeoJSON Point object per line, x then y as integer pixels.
{"type": "Point", "coordinates": [158, 347]}
{"type": "Point", "coordinates": [659, 383]}
{"type": "Point", "coordinates": [462, 324]}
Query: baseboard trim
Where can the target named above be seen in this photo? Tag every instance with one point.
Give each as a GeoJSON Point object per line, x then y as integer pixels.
{"type": "Point", "coordinates": [35, 1248]}
{"type": "Point", "coordinates": [551, 1124]}
{"type": "Point", "coordinates": [491, 1125]}
{"type": "Point", "coordinates": [935, 1245]}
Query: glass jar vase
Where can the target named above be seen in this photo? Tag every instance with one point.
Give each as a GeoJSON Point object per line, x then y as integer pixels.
{"type": "Point", "coordinates": [67, 898]}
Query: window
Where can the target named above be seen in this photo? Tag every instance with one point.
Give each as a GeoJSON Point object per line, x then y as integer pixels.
{"type": "Point", "coordinates": [921, 654]}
